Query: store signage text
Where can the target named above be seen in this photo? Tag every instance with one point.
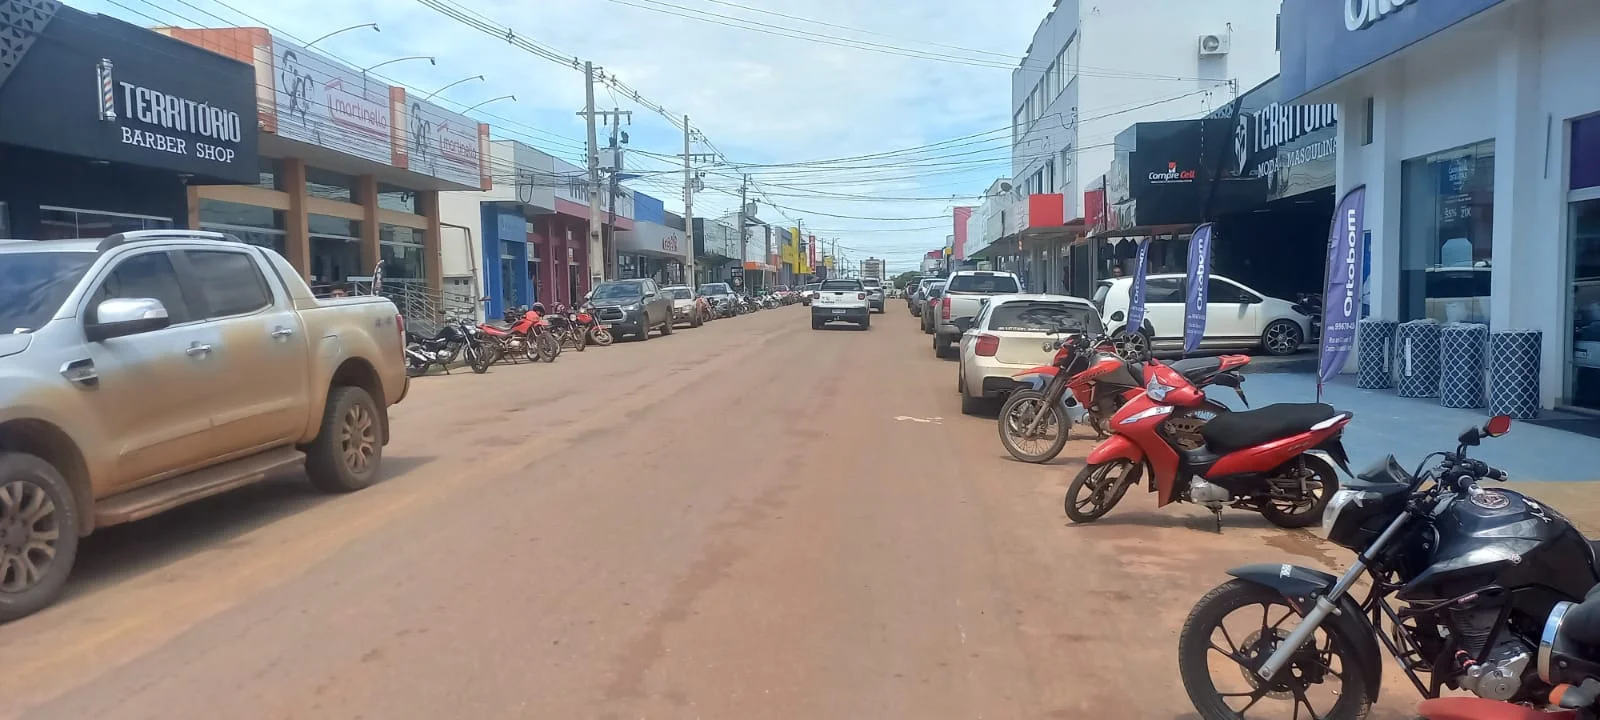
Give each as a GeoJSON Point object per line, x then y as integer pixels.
{"type": "Point", "coordinates": [171, 113]}
{"type": "Point", "coordinates": [1298, 156]}
{"type": "Point", "coordinates": [670, 243]}
{"type": "Point", "coordinates": [1361, 14]}
{"type": "Point", "coordinates": [1277, 124]}
{"type": "Point", "coordinates": [1172, 175]}
{"type": "Point", "coordinates": [354, 111]}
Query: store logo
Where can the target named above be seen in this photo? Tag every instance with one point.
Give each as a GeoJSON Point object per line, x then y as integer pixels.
{"type": "Point", "coordinates": [1172, 175]}
{"type": "Point", "coordinates": [1361, 14]}
{"type": "Point", "coordinates": [670, 243]}
{"type": "Point", "coordinates": [1241, 144]}
{"type": "Point", "coordinates": [167, 113]}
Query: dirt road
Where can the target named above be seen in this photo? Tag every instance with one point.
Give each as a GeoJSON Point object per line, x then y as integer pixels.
{"type": "Point", "coordinates": [747, 520]}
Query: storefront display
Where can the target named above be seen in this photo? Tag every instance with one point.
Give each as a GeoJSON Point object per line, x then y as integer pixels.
{"type": "Point", "coordinates": [1446, 248]}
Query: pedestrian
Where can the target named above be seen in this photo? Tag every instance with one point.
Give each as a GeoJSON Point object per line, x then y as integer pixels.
{"type": "Point", "coordinates": [1116, 271]}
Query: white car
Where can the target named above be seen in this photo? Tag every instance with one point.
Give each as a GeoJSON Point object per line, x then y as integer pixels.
{"type": "Point", "coordinates": [683, 305]}
{"type": "Point", "coordinates": [1236, 316]}
{"type": "Point", "coordinates": [1007, 337]}
{"type": "Point", "coordinates": [841, 300]}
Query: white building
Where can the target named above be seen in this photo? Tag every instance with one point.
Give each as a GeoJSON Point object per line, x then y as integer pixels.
{"type": "Point", "coordinates": [1473, 125]}
{"type": "Point", "coordinates": [1096, 66]}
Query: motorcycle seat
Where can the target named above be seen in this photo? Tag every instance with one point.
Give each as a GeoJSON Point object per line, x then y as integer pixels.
{"type": "Point", "coordinates": [1248, 428]}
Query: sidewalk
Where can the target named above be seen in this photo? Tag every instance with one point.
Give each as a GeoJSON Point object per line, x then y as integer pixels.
{"type": "Point", "coordinates": [1410, 428]}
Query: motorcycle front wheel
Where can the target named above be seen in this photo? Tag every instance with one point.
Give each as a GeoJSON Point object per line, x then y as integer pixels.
{"type": "Point", "coordinates": [602, 337]}
{"type": "Point", "coordinates": [1018, 412]}
{"type": "Point", "coordinates": [580, 340]}
{"type": "Point", "coordinates": [1105, 484]}
{"type": "Point", "coordinates": [547, 347]}
{"type": "Point", "coordinates": [478, 358]}
{"type": "Point", "coordinates": [1234, 629]}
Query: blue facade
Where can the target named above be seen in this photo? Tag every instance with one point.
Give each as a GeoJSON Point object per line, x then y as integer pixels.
{"type": "Point", "coordinates": [648, 209]}
{"type": "Point", "coordinates": [1317, 46]}
{"type": "Point", "coordinates": [505, 261]}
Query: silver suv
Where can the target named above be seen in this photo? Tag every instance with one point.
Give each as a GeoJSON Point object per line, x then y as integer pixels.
{"type": "Point", "coordinates": [875, 296]}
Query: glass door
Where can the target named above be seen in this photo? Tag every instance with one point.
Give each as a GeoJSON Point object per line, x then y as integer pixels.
{"type": "Point", "coordinates": [1584, 368]}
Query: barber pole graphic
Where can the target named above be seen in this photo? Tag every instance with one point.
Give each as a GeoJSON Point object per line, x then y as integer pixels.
{"type": "Point", "coordinates": [108, 103]}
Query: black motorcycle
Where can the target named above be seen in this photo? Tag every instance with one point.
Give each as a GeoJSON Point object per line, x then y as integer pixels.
{"type": "Point", "coordinates": [451, 340]}
{"type": "Point", "coordinates": [1461, 580]}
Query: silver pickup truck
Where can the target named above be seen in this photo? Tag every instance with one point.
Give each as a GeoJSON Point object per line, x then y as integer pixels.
{"type": "Point", "coordinates": [964, 294]}
{"type": "Point", "coordinates": [154, 368]}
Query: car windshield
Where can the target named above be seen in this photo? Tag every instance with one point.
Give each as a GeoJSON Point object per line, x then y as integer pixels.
{"type": "Point", "coordinates": [872, 283]}
{"type": "Point", "coordinates": [33, 286]}
{"type": "Point", "coordinates": [813, 286]}
{"type": "Point", "coordinates": [714, 289]}
{"type": "Point", "coordinates": [983, 283]}
{"type": "Point", "coordinates": [618, 291]}
{"type": "Point", "coordinates": [841, 285]}
{"type": "Point", "coordinates": [681, 293]}
{"type": "Point", "coordinates": [1044, 317]}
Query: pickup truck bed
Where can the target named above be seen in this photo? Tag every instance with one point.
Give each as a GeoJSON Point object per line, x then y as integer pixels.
{"type": "Point", "coordinates": [964, 294]}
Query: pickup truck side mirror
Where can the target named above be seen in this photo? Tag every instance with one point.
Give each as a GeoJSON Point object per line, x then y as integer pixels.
{"type": "Point", "coordinates": [120, 317]}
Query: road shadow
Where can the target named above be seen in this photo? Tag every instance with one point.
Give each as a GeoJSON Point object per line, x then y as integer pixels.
{"type": "Point", "coordinates": [1206, 523]}
{"type": "Point", "coordinates": [117, 553]}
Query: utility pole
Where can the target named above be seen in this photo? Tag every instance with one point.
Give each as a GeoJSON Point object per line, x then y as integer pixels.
{"type": "Point", "coordinates": [744, 188]}
{"type": "Point", "coordinates": [799, 232]}
{"type": "Point", "coordinates": [596, 262]}
{"type": "Point", "coordinates": [615, 118]}
{"type": "Point", "coordinates": [690, 180]}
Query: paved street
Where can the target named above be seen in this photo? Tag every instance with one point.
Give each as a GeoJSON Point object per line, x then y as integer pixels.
{"type": "Point", "coordinates": [748, 520]}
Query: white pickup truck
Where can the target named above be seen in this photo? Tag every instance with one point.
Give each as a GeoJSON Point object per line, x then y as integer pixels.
{"type": "Point", "coordinates": [964, 294]}
{"type": "Point", "coordinates": [844, 300]}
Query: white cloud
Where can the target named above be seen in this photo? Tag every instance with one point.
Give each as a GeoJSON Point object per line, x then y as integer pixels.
{"type": "Point", "coordinates": [759, 97]}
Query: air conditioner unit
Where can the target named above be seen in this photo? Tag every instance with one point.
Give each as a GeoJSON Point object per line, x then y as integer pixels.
{"type": "Point", "coordinates": [1213, 44]}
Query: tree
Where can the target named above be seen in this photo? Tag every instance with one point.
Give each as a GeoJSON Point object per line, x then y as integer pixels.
{"type": "Point", "coordinates": [905, 278]}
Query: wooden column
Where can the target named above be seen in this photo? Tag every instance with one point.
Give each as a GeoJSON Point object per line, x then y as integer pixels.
{"type": "Point", "coordinates": [432, 247]}
{"type": "Point", "coordinates": [297, 240]}
{"type": "Point", "coordinates": [194, 207]}
{"type": "Point", "coordinates": [367, 194]}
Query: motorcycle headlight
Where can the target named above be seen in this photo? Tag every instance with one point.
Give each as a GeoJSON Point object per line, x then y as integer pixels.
{"type": "Point", "coordinates": [1340, 500]}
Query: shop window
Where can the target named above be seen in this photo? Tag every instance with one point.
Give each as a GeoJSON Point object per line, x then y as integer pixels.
{"type": "Point", "coordinates": [335, 250]}
{"type": "Point", "coordinates": [263, 227]}
{"type": "Point", "coordinates": [1366, 133]}
{"type": "Point", "coordinates": [229, 282]}
{"type": "Point", "coordinates": [397, 199]}
{"type": "Point", "coordinates": [401, 251]}
{"type": "Point", "coordinates": [330, 185]}
{"type": "Point", "coordinates": [1586, 153]}
{"type": "Point", "coordinates": [271, 174]}
{"type": "Point", "coordinates": [5, 221]}
{"type": "Point", "coordinates": [59, 223]}
{"type": "Point", "coordinates": [1446, 250]}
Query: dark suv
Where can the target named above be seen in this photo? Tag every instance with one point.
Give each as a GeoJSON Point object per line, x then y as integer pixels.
{"type": "Point", "coordinates": [633, 307]}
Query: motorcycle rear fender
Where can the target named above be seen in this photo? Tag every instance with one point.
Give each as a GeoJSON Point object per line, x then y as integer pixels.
{"type": "Point", "coordinates": [1334, 447]}
{"type": "Point", "coordinates": [1300, 586]}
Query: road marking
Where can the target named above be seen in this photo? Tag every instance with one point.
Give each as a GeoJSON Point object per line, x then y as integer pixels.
{"type": "Point", "coordinates": [934, 420]}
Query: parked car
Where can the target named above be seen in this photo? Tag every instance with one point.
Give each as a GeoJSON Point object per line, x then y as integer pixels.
{"type": "Point", "coordinates": [684, 307]}
{"type": "Point", "coordinates": [1008, 337]}
{"type": "Point", "coordinates": [154, 368]}
{"type": "Point", "coordinates": [931, 296]}
{"type": "Point", "coordinates": [633, 307]}
{"type": "Point", "coordinates": [1236, 316]}
{"type": "Point", "coordinates": [843, 300]}
{"type": "Point", "coordinates": [918, 293]}
{"type": "Point", "coordinates": [875, 295]}
{"type": "Point", "coordinates": [964, 293]}
{"type": "Point", "coordinates": [809, 293]}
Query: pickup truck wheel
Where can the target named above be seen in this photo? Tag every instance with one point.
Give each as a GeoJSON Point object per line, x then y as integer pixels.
{"type": "Point", "coordinates": [38, 534]}
{"type": "Point", "coordinates": [666, 327]}
{"type": "Point", "coordinates": [346, 454]}
{"type": "Point", "coordinates": [941, 346]}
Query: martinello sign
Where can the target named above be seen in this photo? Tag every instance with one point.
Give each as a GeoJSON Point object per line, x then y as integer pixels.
{"type": "Point", "coordinates": [1361, 14]}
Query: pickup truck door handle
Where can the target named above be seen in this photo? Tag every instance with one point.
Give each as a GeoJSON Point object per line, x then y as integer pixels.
{"type": "Point", "coordinates": [81, 372]}
{"type": "Point", "coordinates": [197, 349]}
{"type": "Point", "coordinates": [280, 332]}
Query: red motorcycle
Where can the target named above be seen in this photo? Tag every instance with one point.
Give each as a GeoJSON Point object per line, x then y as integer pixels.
{"type": "Point", "coordinates": [599, 333]}
{"type": "Point", "coordinates": [1258, 460]}
{"type": "Point", "coordinates": [1087, 381]}
{"type": "Point", "coordinates": [526, 334]}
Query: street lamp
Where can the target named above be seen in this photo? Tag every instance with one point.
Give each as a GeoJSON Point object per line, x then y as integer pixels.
{"type": "Point", "coordinates": [451, 85]}
{"type": "Point", "coordinates": [431, 61]}
{"type": "Point", "coordinates": [512, 98]}
{"type": "Point", "coordinates": [374, 27]}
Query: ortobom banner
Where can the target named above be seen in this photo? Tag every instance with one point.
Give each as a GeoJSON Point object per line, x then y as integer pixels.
{"type": "Point", "coordinates": [1341, 297]}
{"type": "Point", "coordinates": [1136, 293]}
{"type": "Point", "coordinates": [1194, 301]}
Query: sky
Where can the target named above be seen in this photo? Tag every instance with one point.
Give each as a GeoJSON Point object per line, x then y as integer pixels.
{"type": "Point", "coordinates": [775, 86]}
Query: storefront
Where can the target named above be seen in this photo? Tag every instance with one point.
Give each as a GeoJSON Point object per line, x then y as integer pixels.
{"type": "Point", "coordinates": [1471, 123]}
{"type": "Point", "coordinates": [168, 118]}
{"type": "Point", "coordinates": [652, 248]}
{"type": "Point", "coordinates": [349, 170]}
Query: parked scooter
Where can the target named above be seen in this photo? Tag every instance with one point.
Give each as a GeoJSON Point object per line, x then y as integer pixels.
{"type": "Point", "coordinates": [1461, 578]}
{"type": "Point", "coordinates": [1257, 460]}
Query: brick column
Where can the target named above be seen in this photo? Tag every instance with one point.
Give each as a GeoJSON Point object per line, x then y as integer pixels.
{"type": "Point", "coordinates": [367, 194]}
{"type": "Point", "coordinates": [432, 265]}
{"type": "Point", "coordinates": [297, 243]}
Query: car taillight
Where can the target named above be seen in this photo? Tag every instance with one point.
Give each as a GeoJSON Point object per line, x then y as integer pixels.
{"type": "Point", "coordinates": [944, 309]}
{"type": "Point", "coordinates": [861, 296]}
{"type": "Point", "coordinates": [986, 345]}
